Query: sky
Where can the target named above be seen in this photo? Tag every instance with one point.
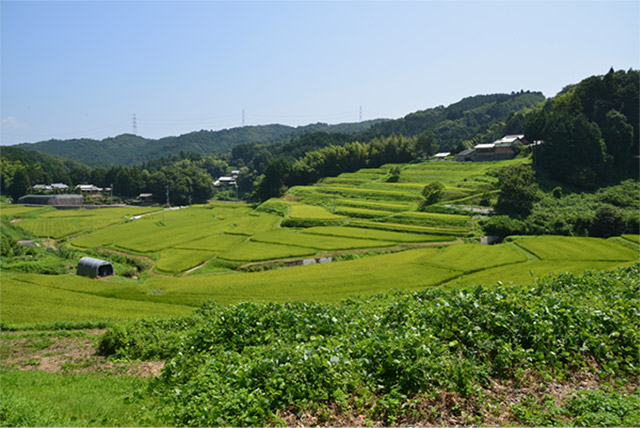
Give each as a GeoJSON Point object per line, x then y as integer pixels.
{"type": "Point", "coordinates": [82, 69]}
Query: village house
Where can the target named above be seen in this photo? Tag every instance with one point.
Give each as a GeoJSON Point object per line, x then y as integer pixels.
{"type": "Point", "coordinates": [503, 149]}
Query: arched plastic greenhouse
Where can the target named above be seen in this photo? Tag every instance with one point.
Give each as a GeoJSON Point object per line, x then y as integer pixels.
{"type": "Point", "coordinates": [94, 268]}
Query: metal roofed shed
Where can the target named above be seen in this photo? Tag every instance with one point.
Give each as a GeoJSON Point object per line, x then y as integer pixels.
{"type": "Point", "coordinates": [94, 268]}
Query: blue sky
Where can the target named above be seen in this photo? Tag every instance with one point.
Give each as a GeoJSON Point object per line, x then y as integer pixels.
{"type": "Point", "coordinates": [77, 69]}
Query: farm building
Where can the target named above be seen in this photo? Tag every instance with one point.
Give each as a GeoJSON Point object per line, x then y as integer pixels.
{"type": "Point", "coordinates": [502, 149]}
{"type": "Point", "coordinates": [465, 155]}
{"type": "Point", "coordinates": [54, 200]}
{"type": "Point", "coordinates": [88, 188]}
{"type": "Point", "coordinates": [441, 155]}
{"type": "Point", "coordinates": [94, 268]}
{"type": "Point", "coordinates": [224, 181]}
{"type": "Point", "coordinates": [50, 187]}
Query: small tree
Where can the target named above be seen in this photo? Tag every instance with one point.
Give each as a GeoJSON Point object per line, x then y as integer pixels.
{"type": "Point", "coordinates": [20, 185]}
{"type": "Point", "coordinates": [607, 222]}
{"type": "Point", "coordinates": [432, 193]}
{"type": "Point", "coordinates": [394, 174]}
{"type": "Point", "coordinates": [426, 145]}
{"type": "Point", "coordinates": [518, 190]}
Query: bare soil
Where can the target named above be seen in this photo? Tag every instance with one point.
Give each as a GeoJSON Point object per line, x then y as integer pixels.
{"type": "Point", "coordinates": [61, 354]}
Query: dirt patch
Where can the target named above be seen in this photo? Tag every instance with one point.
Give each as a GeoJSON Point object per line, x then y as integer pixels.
{"type": "Point", "coordinates": [56, 353]}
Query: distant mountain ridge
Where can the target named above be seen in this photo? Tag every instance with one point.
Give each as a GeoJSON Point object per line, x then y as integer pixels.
{"type": "Point", "coordinates": [457, 122]}
{"type": "Point", "coordinates": [128, 149]}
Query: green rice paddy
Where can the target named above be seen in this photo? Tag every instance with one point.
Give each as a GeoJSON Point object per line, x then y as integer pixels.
{"type": "Point", "coordinates": [371, 214]}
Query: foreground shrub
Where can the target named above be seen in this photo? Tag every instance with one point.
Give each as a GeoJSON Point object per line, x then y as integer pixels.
{"type": "Point", "coordinates": [247, 364]}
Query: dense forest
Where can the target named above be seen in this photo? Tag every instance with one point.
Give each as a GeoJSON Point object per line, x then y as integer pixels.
{"type": "Point", "coordinates": [590, 131]}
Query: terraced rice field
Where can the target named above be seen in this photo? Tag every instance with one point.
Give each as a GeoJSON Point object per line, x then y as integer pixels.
{"type": "Point", "coordinates": [69, 297]}
{"type": "Point", "coordinates": [58, 224]}
{"type": "Point", "coordinates": [381, 235]}
{"type": "Point", "coordinates": [572, 249]}
{"type": "Point", "coordinates": [319, 242]}
{"type": "Point", "coordinates": [177, 260]}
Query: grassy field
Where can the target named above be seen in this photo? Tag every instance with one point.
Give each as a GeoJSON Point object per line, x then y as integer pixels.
{"type": "Point", "coordinates": [69, 297]}
{"type": "Point", "coordinates": [176, 261]}
{"type": "Point", "coordinates": [47, 300]}
{"type": "Point", "coordinates": [59, 224]}
{"type": "Point", "coordinates": [571, 249]}
{"type": "Point", "coordinates": [380, 235]}
{"type": "Point", "coordinates": [320, 242]}
{"type": "Point", "coordinates": [411, 228]}
{"type": "Point", "coordinates": [11, 210]}
{"type": "Point", "coordinates": [303, 211]}
{"type": "Point", "coordinates": [252, 251]}
{"type": "Point", "coordinates": [46, 399]}
{"type": "Point", "coordinates": [632, 238]}
{"type": "Point", "coordinates": [216, 243]}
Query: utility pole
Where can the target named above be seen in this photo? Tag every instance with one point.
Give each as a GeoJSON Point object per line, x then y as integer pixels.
{"type": "Point", "coordinates": [243, 118]}
{"type": "Point", "coordinates": [473, 228]}
{"type": "Point", "coordinates": [168, 206]}
{"type": "Point", "coordinates": [111, 194]}
{"type": "Point", "coordinates": [135, 125]}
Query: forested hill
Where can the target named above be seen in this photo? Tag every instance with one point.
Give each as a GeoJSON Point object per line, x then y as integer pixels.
{"type": "Point", "coordinates": [460, 121]}
{"type": "Point", "coordinates": [130, 149]}
{"type": "Point", "coordinates": [22, 168]}
{"type": "Point", "coordinates": [452, 125]}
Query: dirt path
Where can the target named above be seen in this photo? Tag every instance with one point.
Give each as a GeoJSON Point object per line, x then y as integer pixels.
{"type": "Point", "coordinates": [66, 352]}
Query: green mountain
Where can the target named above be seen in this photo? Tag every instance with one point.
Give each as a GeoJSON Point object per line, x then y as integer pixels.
{"type": "Point", "coordinates": [130, 149]}
{"type": "Point", "coordinates": [458, 122]}
{"type": "Point", "coordinates": [462, 120]}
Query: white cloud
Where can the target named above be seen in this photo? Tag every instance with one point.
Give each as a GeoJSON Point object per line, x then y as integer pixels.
{"type": "Point", "coordinates": [11, 122]}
